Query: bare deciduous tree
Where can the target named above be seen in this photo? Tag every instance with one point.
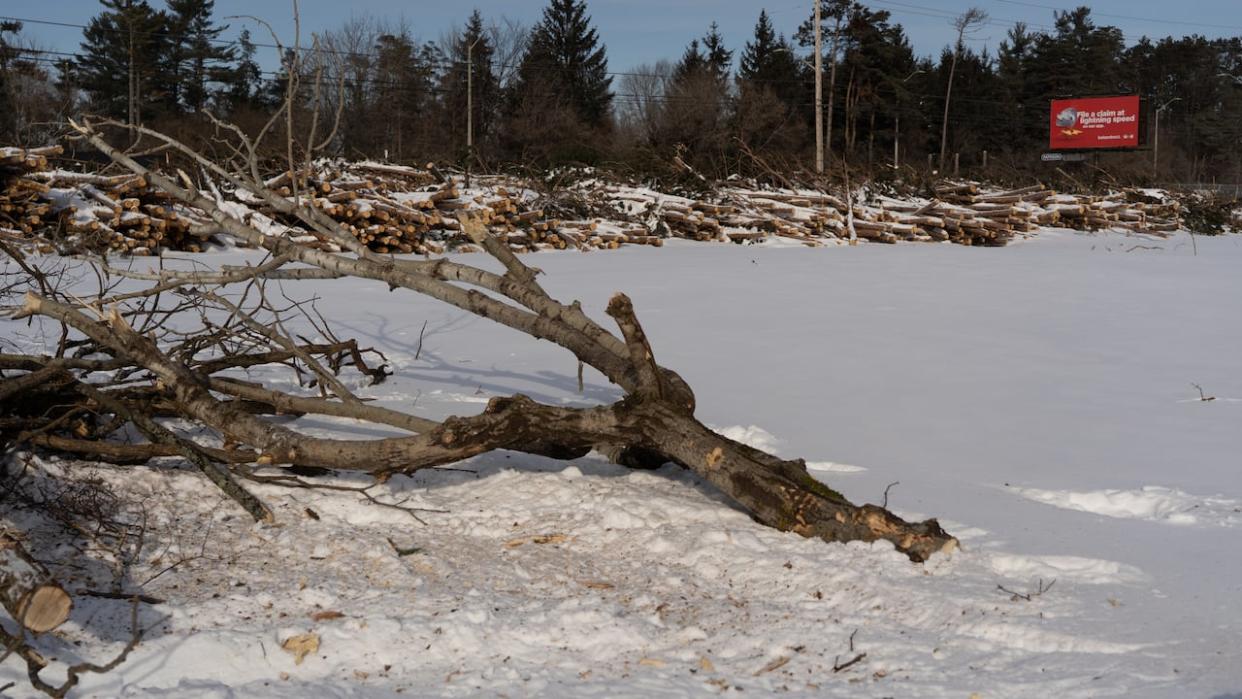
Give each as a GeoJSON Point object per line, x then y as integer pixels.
{"type": "Point", "coordinates": [967, 22]}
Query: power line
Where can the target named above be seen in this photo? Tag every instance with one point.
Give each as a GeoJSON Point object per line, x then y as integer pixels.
{"type": "Point", "coordinates": [1132, 18]}
{"type": "Point", "coordinates": [940, 13]}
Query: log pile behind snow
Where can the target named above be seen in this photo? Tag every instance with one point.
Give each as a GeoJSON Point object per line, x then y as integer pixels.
{"type": "Point", "coordinates": [406, 210]}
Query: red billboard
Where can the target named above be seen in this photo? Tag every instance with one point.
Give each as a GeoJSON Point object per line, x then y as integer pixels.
{"type": "Point", "coordinates": [1094, 122]}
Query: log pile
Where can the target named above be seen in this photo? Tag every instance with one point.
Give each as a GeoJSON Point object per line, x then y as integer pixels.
{"type": "Point", "coordinates": [407, 210]}
{"type": "Point", "coordinates": [23, 206]}
{"type": "Point", "coordinates": [1033, 207]}
{"type": "Point", "coordinates": [395, 209]}
{"type": "Point", "coordinates": [963, 213]}
{"type": "Point", "coordinates": [118, 213]}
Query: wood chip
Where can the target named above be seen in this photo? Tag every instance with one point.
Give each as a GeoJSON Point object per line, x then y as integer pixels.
{"type": "Point", "coordinates": [301, 646]}
{"type": "Point", "coordinates": [537, 539]}
{"type": "Point", "coordinates": [774, 665]}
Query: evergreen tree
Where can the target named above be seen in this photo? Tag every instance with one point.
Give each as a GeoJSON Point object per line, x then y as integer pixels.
{"type": "Point", "coordinates": [244, 80]}
{"type": "Point", "coordinates": [119, 64]}
{"type": "Point", "coordinates": [194, 54]}
{"type": "Point", "coordinates": [1022, 110]}
{"type": "Point", "coordinates": [719, 60]}
{"type": "Point", "coordinates": [564, 60]}
{"type": "Point", "coordinates": [403, 91]}
{"type": "Point", "coordinates": [453, 84]}
{"type": "Point", "coordinates": [1079, 58]}
{"type": "Point", "coordinates": [757, 54]}
{"type": "Point", "coordinates": [8, 56]}
{"type": "Point", "coordinates": [692, 64]}
{"type": "Point", "coordinates": [275, 91]}
{"type": "Point", "coordinates": [67, 86]}
{"type": "Point", "coordinates": [709, 58]}
{"type": "Point", "coordinates": [695, 110]}
{"type": "Point", "coordinates": [769, 62]}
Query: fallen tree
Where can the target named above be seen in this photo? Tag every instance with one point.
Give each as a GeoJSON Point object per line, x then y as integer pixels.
{"type": "Point", "coordinates": [653, 424]}
{"type": "Point", "coordinates": [127, 359]}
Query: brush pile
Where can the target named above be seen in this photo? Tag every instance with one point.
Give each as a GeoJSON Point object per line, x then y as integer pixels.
{"type": "Point", "coordinates": [406, 210]}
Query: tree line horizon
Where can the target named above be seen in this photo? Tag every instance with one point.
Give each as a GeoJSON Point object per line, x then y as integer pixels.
{"type": "Point", "coordinates": [544, 96]}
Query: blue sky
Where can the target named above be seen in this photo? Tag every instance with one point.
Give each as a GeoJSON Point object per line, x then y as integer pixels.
{"type": "Point", "coordinates": [643, 31]}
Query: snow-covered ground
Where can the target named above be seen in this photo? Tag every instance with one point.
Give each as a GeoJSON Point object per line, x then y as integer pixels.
{"type": "Point", "coordinates": [1036, 398]}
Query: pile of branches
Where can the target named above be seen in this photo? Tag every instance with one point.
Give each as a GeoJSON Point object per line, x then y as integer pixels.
{"type": "Point", "coordinates": [158, 354]}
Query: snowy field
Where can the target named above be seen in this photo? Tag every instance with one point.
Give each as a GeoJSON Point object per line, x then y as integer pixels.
{"type": "Point", "coordinates": [1036, 398]}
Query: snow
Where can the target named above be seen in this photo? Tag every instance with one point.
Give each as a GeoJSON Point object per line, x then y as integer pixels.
{"type": "Point", "coordinates": [1151, 503]}
{"type": "Point", "coordinates": [1036, 398]}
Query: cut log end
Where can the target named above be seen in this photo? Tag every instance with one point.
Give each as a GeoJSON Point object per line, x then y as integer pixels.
{"type": "Point", "coordinates": [27, 591]}
{"type": "Point", "coordinates": [45, 608]}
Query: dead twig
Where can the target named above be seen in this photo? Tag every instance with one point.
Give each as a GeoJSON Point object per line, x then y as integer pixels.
{"type": "Point", "coordinates": [885, 506]}
{"type": "Point", "coordinates": [145, 599]}
{"type": "Point", "coordinates": [365, 492]}
{"type": "Point", "coordinates": [1203, 397]}
{"type": "Point", "coordinates": [1028, 596]}
{"type": "Point", "coordinates": [418, 352]}
{"type": "Point", "coordinates": [403, 551]}
{"type": "Point", "coordinates": [837, 665]}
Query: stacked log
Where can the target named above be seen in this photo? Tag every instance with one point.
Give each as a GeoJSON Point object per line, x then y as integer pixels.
{"type": "Point", "coordinates": [23, 202]}
{"type": "Point", "coordinates": [1036, 206]}
{"type": "Point", "coordinates": [396, 209]}
{"type": "Point", "coordinates": [92, 212]}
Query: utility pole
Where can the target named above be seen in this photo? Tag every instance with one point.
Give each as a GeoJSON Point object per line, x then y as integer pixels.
{"type": "Point", "coordinates": [897, 141]}
{"type": "Point", "coordinates": [470, 107]}
{"type": "Point", "coordinates": [897, 88]}
{"type": "Point", "coordinates": [819, 92]}
{"type": "Point", "coordinates": [1155, 151]}
{"type": "Point", "coordinates": [132, 82]}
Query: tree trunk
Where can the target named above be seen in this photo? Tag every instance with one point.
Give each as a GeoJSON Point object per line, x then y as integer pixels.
{"type": "Point", "coordinates": [27, 590]}
{"type": "Point", "coordinates": [948, 93]}
{"type": "Point", "coordinates": [832, 84]}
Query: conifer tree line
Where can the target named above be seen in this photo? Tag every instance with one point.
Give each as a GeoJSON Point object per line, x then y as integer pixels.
{"type": "Point", "coordinates": [546, 95]}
